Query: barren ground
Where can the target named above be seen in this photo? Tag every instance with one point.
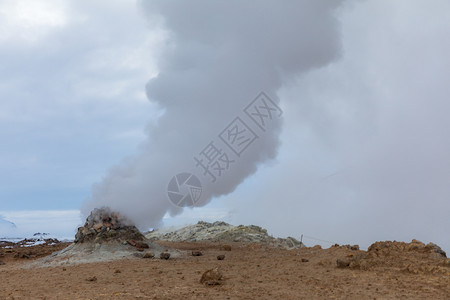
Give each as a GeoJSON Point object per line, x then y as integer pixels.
{"type": "Point", "coordinates": [249, 272]}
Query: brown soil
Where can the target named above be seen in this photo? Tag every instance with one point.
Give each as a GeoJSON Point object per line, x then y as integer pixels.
{"type": "Point", "coordinates": [388, 271]}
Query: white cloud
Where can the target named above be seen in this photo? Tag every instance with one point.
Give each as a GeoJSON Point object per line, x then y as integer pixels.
{"type": "Point", "coordinates": [30, 20]}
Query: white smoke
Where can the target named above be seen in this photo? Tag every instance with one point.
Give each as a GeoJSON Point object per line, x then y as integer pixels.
{"type": "Point", "coordinates": [219, 56]}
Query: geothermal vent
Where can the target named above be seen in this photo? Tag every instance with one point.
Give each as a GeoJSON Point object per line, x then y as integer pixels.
{"type": "Point", "coordinates": [106, 226]}
{"type": "Point", "coordinates": [105, 236]}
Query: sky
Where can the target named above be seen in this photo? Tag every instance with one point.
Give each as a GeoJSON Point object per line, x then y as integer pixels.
{"type": "Point", "coordinates": [363, 148]}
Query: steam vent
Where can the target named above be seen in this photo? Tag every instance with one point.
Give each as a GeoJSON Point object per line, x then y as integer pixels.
{"type": "Point", "coordinates": [106, 226]}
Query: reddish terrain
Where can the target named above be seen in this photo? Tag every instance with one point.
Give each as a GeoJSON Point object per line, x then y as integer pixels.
{"type": "Point", "coordinates": [252, 271]}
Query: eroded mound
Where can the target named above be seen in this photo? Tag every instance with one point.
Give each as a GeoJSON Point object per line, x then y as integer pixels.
{"type": "Point", "coordinates": [104, 225]}
{"type": "Point", "coordinates": [414, 257]}
{"type": "Point", "coordinates": [224, 232]}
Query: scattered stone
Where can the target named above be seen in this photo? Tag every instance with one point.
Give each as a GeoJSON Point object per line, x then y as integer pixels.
{"type": "Point", "coordinates": [305, 260]}
{"type": "Point", "coordinates": [197, 253]}
{"type": "Point", "coordinates": [164, 255]}
{"type": "Point", "coordinates": [64, 269]}
{"type": "Point", "coordinates": [117, 271]}
{"type": "Point", "coordinates": [351, 247]}
{"type": "Point", "coordinates": [226, 247]}
{"type": "Point", "coordinates": [220, 257]}
{"type": "Point", "coordinates": [148, 255]}
{"type": "Point", "coordinates": [212, 277]}
{"type": "Point", "coordinates": [91, 279]}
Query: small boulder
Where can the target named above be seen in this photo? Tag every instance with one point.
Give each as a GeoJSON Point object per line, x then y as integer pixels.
{"type": "Point", "coordinates": [226, 247]}
{"type": "Point", "coordinates": [2, 263]}
{"type": "Point", "coordinates": [197, 253]}
{"type": "Point", "coordinates": [220, 257]}
{"type": "Point", "coordinates": [92, 279]}
{"type": "Point", "coordinates": [164, 255]}
{"type": "Point", "coordinates": [305, 260]}
{"type": "Point", "coordinates": [148, 255]}
{"type": "Point", "coordinates": [212, 277]}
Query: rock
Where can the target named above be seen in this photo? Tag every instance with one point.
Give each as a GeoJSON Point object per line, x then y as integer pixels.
{"type": "Point", "coordinates": [354, 247]}
{"type": "Point", "coordinates": [142, 245]}
{"type": "Point", "coordinates": [226, 248]}
{"type": "Point", "coordinates": [435, 248]}
{"type": "Point", "coordinates": [97, 227]}
{"type": "Point", "coordinates": [212, 277]}
{"type": "Point", "coordinates": [117, 271]}
{"type": "Point", "coordinates": [305, 260]}
{"type": "Point", "coordinates": [220, 257]}
{"type": "Point", "coordinates": [93, 278]}
{"type": "Point", "coordinates": [343, 263]}
{"type": "Point", "coordinates": [148, 255]}
{"type": "Point", "coordinates": [197, 253]}
{"type": "Point", "coordinates": [2, 263]}
{"type": "Point", "coordinates": [164, 255]}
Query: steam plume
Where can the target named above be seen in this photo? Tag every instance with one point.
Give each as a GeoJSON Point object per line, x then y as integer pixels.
{"type": "Point", "coordinates": [220, 55]}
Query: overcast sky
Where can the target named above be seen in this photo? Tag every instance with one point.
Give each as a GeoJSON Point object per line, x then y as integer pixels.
{"type": "Point", "coordinates": [364, 150]}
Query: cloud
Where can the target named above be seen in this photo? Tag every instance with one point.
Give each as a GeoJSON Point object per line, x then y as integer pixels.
{"type": "Point", "coordinates": [73, 77]}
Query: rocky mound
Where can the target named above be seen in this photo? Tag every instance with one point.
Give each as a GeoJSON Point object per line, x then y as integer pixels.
{"type": "Point", "coordinates": [105, 236]}
{"type": "Point", "coordinates": [104, 225]}
{"type": "Point", "coordinates": [414, 257]}
{"type": "Point", "coordinates": [224, 232]}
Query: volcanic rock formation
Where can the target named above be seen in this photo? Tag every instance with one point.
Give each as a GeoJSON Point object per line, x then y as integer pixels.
{"type": "Point", "coordinates": [104, 225]}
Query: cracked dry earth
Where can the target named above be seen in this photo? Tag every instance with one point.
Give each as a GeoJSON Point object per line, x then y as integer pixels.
{"type": "Point", "coordinates": [248, 272]}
